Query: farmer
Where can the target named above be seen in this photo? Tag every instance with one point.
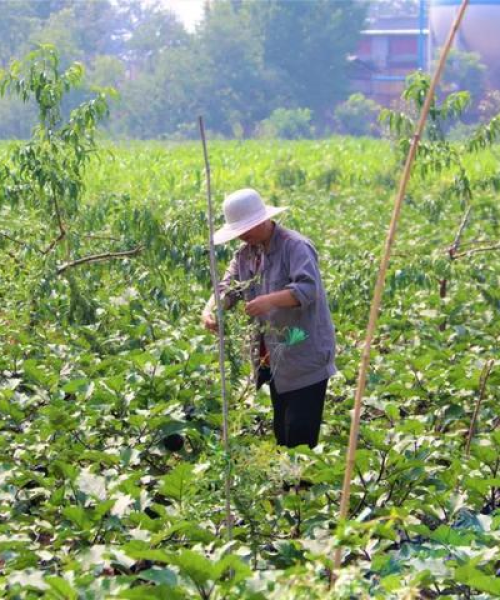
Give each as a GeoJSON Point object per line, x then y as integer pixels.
{"type": "Point", "coordinates": [275, 271]}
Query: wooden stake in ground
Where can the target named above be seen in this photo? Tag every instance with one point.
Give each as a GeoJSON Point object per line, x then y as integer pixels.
{"type": "Point", "coordinates": [215, 285]}
{"type": "Point", "coordinates": [379, 287]}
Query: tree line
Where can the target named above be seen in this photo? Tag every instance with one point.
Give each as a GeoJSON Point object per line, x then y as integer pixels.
{"type": "Point", "coordinates": [248, 64]}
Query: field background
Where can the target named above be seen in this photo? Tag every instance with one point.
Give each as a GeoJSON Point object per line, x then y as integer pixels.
{"type": "Point", "coordinates": [98, 367]}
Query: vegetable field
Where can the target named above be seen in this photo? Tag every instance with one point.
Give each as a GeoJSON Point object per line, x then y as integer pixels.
{"type": "Point", "coordinates": [111, 460]}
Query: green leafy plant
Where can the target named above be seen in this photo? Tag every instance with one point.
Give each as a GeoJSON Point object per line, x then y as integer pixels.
{"type": "Point", "coordinates": [93, 502]}
{"type": "Point", "coordinates": [44, 179]}
{"type": "Point", "coordinates": [357, 116]}
{"type": "Point", "coordinates": [288, 124]}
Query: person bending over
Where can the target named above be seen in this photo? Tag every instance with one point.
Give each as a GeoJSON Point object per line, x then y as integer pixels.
{"type": "Point", "coordinates": [275, 271]}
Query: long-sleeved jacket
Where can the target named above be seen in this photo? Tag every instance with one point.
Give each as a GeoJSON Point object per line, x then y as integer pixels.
{"type": "Point", "coordinates": [290, 263]}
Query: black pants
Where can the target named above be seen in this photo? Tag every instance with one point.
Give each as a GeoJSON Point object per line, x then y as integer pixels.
{"type": "Point", "coordinates": [297, 414]}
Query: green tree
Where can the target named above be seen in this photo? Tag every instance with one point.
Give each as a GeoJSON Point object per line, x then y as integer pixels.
{"type": "Point", "coordinates": [358, 115]}
{"type": "Point", "coordinates": [464, 71]}
{"type": "Point", "coordinates": [80, 30]}
{"type": "Point", "coordinates": [306, 43]}
{"type": "Point", "coordinates": [219, 72]}
{"type": "Point", "coordinates": [106, 71]}
{"type": "Point", "coordinates": [289, 124]}
{"type": "Point", "coordinates": [21, 23]}
{"type": "Point", "coordinates": [60, 30]}
{"type": "Point", "coordinates": [153, 30]}
{"type": "Point", "coordinates": [44, 178]}
{"type": "Point", "coordinates": [171, 93]}
{"type": "Point", "coordinates": [47, 173]}
{"type": "Point", "coordinates": [235, 88]}
{"type": "Point", "coordinates": [18, 22]}
{"type": "Point", "coordinates": [160, 66]}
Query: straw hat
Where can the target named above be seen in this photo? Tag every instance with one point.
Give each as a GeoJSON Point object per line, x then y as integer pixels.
{"type": "Point", "coordinates": [244, 210]}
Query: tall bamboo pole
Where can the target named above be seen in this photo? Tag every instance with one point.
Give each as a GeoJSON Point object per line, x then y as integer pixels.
{"type": "Point", "coordinates": [379, 287]}
{"type": "Point", "coordinates": [215, 285]}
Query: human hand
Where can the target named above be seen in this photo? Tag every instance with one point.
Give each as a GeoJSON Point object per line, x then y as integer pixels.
{"type": "Point", "coordinates": [209, 321]}
{"type": "Point", "coordinates": [259, 306]}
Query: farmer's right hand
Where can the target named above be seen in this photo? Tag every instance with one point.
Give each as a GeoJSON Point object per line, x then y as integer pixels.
{"type": "Point", "coordinates": [209, 321]}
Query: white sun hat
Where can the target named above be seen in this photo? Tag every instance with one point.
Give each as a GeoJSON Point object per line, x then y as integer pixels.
{"type": "Point", "coordinates": [243, 210]}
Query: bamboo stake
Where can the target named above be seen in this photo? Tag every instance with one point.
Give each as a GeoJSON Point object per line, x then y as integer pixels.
{"type": "Point", "coordinates": [379, 287]}
{"type": "Point", "coordinates": [215, 284]}
{"type": "Point", "coordinates": [482, 389]}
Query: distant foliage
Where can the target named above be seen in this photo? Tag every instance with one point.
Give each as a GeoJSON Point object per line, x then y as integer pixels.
{"type": "Point", "coordinates": [392, 8]}
{"type": "Point", "coordinates": [489, 106]}
{"type": "Point", "coordinates": [358, 115]}
{"type": "Point", "coordinates": [305, 47]}
{"type": "Point", "coordinates": [245, 59]}
{"type": "Point", "coordinates": [464, 71]}
{"type": "Point", "coordinates": [288, 124]}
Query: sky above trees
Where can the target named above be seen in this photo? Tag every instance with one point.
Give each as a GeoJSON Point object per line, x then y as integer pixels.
{"type": "Point", "coordinates": [190, 12]}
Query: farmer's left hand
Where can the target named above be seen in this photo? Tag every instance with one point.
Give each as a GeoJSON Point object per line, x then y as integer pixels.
{"type": "Point", "coordinates": [260, 306]}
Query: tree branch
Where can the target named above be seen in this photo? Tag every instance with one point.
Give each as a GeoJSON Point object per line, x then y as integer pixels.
{"type": "Point", "coordinates": [456, 243]}
{"type": "Point", "coordinates": [474, 242]}
{"type": "Point", "coordinates": [61, 236]}
{"type": "Point", "coordinates": [482, 389]}
{"type": "Point", "coordinates": [11, 239]}
{"type": "Point", "coordinates": [476, 250]}
{"type": "Point", "coordinates": [62, 229]}
{"type": "Point", "coordinates": [99, 258]}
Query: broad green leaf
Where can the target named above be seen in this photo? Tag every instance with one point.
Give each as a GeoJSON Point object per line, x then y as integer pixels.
{"type": "Point", "coordinates": [195, 566]}
{"type": "Point", "coordinates": [61, 589]}
{"type": "Point", "coordinates": [452, 537]}
{"type": "Point", "coordinates": [142, 551]}
{"type": "Point", "coordinates": [478, 580]}
{"type": "Point", "coordinates": [76, 385]}
{"type": "Point", "coordinates": [79, 516]}
{"type": "Point", "coordinates": [160, 576]}
{"type": "Point", "coordinates": [150, 592]}
{"type": "Point", "coordinates": [178, 482]}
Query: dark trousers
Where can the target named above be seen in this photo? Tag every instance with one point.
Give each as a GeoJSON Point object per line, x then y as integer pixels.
{"type": "Point", "coordinates": [297, 414]}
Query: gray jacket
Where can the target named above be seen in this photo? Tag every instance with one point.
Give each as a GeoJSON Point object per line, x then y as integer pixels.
{"type": "Point", "coordinates": [300, 340]}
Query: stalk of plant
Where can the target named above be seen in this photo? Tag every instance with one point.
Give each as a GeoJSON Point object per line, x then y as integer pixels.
{"type": "Point", "coordinates": [379, 287]}
{"type": "Point", "coordinates": [482, 390]}
{"type": "Point", "coordinates": [215, 284]}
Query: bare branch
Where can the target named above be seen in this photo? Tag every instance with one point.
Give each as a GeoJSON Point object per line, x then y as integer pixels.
{"type": "Point", "coordinates": [11, 239]}
{"type": "Point", "coordinates": [456, 243]}
{"type": "Point", "coordinates": [476, 250]}
{"type": "Point", "coordinates": [32, 246]}
{"type": "Point", "coordinates": [99, 258]}
{"type": "Point", "coordinates": [474, 242]}
{"type": "Point", "coordinates": [62, 229]}
{"type": "Point", "coordinates": [61, 236]}
{"type": "Point", "coordinates": [482, 388]}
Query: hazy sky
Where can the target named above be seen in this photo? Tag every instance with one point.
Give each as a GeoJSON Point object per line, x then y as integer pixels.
{"type": "Point", "coordinates": [189, 11]}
